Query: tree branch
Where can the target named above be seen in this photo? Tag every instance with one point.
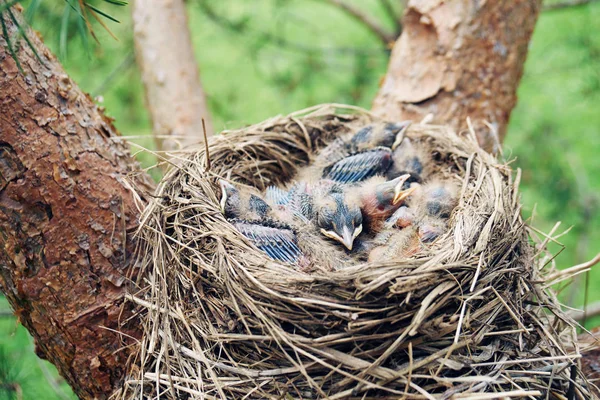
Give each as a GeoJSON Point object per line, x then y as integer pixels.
{"type": "Point", "coordinates": [371, 24]}
{"type": "Point", "coordinates": [566, 4]}
{"type": "Point", "coordinates": [165, 55]}
{"type": "Point", "coordinates": [67, 217]}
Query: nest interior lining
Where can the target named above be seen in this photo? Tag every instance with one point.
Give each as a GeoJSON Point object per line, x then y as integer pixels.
{"type": "Point", "coordinates": [468, 315]}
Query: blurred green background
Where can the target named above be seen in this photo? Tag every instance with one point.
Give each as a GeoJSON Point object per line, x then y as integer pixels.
{"type": "Point", "coordinates": [267, 57]}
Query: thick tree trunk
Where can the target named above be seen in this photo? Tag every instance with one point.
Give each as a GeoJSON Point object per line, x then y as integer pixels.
{"type": "Point", "coordinates": [66, 218]}
{"type": "Point", "coordinates": [458, 59]}
{"type": "Point", "coordinates": [165, 56]}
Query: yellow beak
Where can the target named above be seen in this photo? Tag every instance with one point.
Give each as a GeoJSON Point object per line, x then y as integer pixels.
{"type": "Point", "coordinates": [399, 194]}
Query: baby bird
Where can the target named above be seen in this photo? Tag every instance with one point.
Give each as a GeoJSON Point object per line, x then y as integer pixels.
{"type": "Point", "coordinates": [254, 219]}
{"type": "Point", "coordinates": [366, 154]}
{"type": "Point", "coordinates": [434, 204]}
{"type": "Point", "coordinates": [393, 244]}
{"type": "Point", "coordinates": [325, 204]}
{"type": "Point", "coordinates": [337, 218]}
{"type": "Point", "coordinates": [417, 224]}
{"type": "Point", "coordinates": [319, 254]}
{"type": "Point", "coordinates": [242, 204]}
{"type": "Point", "coordinates": [409, 158]}
{"type": "Point", "coordinates": [379, 199]}
{"type": "Point", "coordinates": [401, 218]}
{"type": "Point", "coordinates": [384, 134]}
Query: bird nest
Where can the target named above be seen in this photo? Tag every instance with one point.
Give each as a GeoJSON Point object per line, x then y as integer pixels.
{"type": "Point", "coordinates": [469, 316]}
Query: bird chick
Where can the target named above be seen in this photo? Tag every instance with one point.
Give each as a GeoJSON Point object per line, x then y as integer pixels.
{"type": "Point", "coordinates": [378, 134]}
{"type": "Point", "coordinates": [393, 244]}
{"type": "Point", "coordinates": [319, 254]}
{"type": "Point", "coordinates": [325, 204]}
{"type": "Point", "coordinates": [432, 205]}
{"type": "Point", "coordinates": [401, 218]}
{"type": "Point", "coordinates": [366, 154]}
{"type": "Point", "coordinates": [337, 218]}
{"type": "Point", "coordinates": [242, 204]}
{"type": "Point", "coordinates": [435, 199]}
{"type": "Point", "coordinates": [379, 199]}
{"type": "Point", "coordinates": [412, 159]}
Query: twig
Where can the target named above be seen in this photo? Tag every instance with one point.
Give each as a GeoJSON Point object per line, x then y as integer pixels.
{"type": "Point", "coordinates": [206, 146]}
{"type": "Point", "coordinates": [366, 20]}
{"type": "Point", "coordinates": [566, 4]}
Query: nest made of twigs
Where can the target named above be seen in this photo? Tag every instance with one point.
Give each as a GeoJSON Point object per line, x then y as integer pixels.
{"type": "Point", "coordinates": [470, 314]}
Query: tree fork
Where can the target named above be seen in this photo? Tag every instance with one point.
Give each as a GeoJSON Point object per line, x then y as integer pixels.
{"type": "Point", "coordinates": [66, 219]}
{"type": "Point", "coordinates": [459, 59]}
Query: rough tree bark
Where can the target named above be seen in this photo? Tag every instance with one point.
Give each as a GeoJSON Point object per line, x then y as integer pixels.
{"type": "Point", "coordinates": [165, 56]}
{"type": "Point", "coordinates": [66, 217]}
{"type": "Point", "coordinates": [458, 59]}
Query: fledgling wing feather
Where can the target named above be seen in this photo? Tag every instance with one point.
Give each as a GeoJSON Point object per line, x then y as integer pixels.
{"type": "Point", "coordinates": [360, 166]}
{"type": "Point", "coordinates": [300, 202]}
{"type": "Point", "coordinates": [278, 243]}
{"type": "Point", "coordinates": [277, 196]}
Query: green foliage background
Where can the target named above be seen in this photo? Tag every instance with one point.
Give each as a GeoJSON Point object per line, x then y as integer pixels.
{"type": "Point", "coordinates": [267, 57]}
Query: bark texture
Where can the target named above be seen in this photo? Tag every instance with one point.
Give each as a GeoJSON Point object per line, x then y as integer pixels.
{"type": "Point", "coordinates": [66, 218]}
{"type": "Point", "coordinates": [165, 56]}
{"type": "Point", "coordinates": [458, 59]}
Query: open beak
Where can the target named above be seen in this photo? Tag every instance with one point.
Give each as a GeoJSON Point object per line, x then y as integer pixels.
{"type": "Point", "coordinates": [347, 238]}
{"type": "Point", "coordinates": [399, 193]}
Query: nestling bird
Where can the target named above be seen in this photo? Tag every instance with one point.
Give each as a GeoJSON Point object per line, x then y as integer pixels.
{"type": "Point", "coordinates": [379, 199]}
{"type": "Point", "coordinates": [393, 244]}
{"type": "Point", "coordinates": [401, 218]}
{"type": "Point", "coordinates": [325, 204]}
{"type": "Point", "coordinates": [417, 224]}
{"type": "Point", "coordinates": [256, 220]}
{"type": "Point", "coordinates": [367, 153]}
{"type": "Point", "coordinates": [435, 202]}
{"type": "Point", "coordinates": [384, 134]}
{"type": "Point", "coordinates": [242, 204]}
{"type": "Point", "coordinates": [412, 159]}
{"type": "Point", "coordinates": [320, 254]}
